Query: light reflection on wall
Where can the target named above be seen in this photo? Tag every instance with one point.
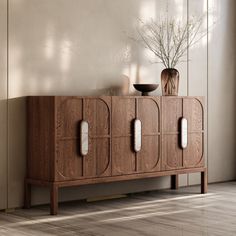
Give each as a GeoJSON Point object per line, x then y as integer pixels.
{"type": "Point", "coordinates": [65, 55]}
{"type": "Point", "coordinates": [204, 26]}
{"type": "Point", "coordinates": [49, 43]}
{"type": "Point", "coordinates": [212, 13]}
{"type": "Point", "coordinates": [179, 10]}
{"type": "Point", "coordinates": [148, 10]}
{"type": "Point", "coordinates": [136, 71]}
{"type": "Point", "coordinates": [131, 72]}
{"type": "Point", "coordinates": [50, 48]}
{"type": "Point", "coordinates": [16, 74]}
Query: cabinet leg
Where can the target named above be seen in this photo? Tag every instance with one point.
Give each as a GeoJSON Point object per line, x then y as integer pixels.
{"type": "Point", "coordinates": [27, 195]}
{"type": "Point", "coordinates": [54, 199]}
{"type": "Point", "coordinates": [204, 181]}
{"type": "Point", "coordinates": [174, 182]}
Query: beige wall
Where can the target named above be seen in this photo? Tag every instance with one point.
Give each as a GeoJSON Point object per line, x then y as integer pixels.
{"type": "Point", "coordinates": [221, 91]}
{"type": "Point", "coordinates": [80, 47]}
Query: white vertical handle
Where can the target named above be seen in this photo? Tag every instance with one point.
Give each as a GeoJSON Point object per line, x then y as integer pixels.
{"type": "Point", "coordinates": [137, 135]}
{"type": "Point", "coordinates": [184, 133]}
{"type": "Point", "coordinates": [84, 138]}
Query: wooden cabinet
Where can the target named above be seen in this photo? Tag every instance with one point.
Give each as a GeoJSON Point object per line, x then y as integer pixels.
{"type": "Point", "coordinates": [56, 140]}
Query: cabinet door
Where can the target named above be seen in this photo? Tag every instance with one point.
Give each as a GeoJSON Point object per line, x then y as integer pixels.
{"type": "Point", "coordinates": [70, 163]}
{"type": "Point", "coordinates": [171, 151]}
{"type": "Point", "coordinates": [123, 155]}
{"type": "Point", "coordinates": [98, 115]}
{"type": "Point", "coordinates": [193, 111]}
{"type": "Point", "coordinates": [124, 112]}
{"type": "Point", "coordinates": [174, 157]}
{"type": "Point", "coordinates": [148, 111]}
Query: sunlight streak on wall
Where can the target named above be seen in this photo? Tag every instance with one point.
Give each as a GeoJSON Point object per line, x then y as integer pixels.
{"type": "Point", "coordinates": [65, 57]}
{"type": "Point", "coordinates": [148, 10]}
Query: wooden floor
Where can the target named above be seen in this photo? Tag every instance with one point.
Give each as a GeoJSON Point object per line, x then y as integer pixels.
{"type": "Point", "coordinates": [184, 212]}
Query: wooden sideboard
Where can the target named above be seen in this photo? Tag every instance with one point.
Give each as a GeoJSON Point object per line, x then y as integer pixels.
{"type": "Point", "coordinates": [75, 141]}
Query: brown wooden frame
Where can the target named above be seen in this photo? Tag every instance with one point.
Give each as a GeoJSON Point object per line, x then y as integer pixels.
{"type": "Point", "coordinates": [54, 186]}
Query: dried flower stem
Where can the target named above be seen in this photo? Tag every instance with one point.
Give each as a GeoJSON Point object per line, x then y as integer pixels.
{"type": "Point", "coordinates": [168, 39]}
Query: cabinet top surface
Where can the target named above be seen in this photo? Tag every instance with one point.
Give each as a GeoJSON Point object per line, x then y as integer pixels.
{"type": "Point", "coordinates": [124, 96]}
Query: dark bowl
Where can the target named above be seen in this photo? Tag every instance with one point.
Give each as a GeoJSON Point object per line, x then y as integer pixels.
{"type": "Point", "coordinates": [145, 88]}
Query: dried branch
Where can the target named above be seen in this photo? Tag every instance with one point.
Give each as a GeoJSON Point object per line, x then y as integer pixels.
{"type": "Point", "coordinates": [168, 39]}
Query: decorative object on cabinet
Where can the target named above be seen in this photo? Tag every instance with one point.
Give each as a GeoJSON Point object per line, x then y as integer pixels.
{"type": "Point", "coordinates": [170, 82]}
{"type": "Point", "coordinates": [169, 40]}
{"type": "Point", "coordinates": [74, 141]}
{"type": "Point", "coordinates": [146, 88]}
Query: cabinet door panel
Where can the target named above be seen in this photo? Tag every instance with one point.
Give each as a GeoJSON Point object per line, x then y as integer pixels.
{"type": "Point", "coordinates": [172, 153]}
{"type": "Point", "coordinates": [149, 156]}
{"type": "Point", "coordinates": [123, 156]}
{"type": "Point", "coordinates": [193, 111]}
{"type": "Point", "coordinates": [70, 112]}
{"type": "Point", "coordinates": [172, 112]}
{"type": "Point", "coordinates": [103, 167]}
{"type": "Point", "coordinates": [97, 162]}
{"type": "Point", "coordinates": [123, 114]}
{"type": "Point", "coordinates": [193, 154]}
{"type": "Point", "coordinates": [69, 164]}
{"type": "Point", "coordinates": [97, 114]}
{"type": "Point", "coordinates": [149, 113]}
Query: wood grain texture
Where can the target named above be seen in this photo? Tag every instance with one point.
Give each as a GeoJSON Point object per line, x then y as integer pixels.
{"type": "Point", "coordinates": [69, 111]}
{"type": "Point", "coordinates": [123, 155]}
{"type": "Point", "coordinates": [172, 154]}
{"type": "Point", "coordinates": [173, 109]}
{"type": "Point", "coordinates": [98, 114]}
{"type": "Point", "coordinates": [106, 179]}
{"type": "Point", "coordinates": [40, 138]}
{"type": "Point", "coordinates": [149, 112]}
{"type": "Point", "coordinates": [70, 163]}
{"type": "Point", "coordinates": [193, 111]}
{"type": "Point", "coordinates": [193, 155]}
{"type": "Point", "coordinates": [125, 111]}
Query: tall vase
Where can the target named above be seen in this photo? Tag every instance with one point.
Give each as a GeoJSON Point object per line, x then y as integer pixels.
{"type": "Point", "coordinates": [170, 82]}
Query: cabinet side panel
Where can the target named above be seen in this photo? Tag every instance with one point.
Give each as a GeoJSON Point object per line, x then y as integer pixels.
{"type": "Point", "coordinates": [40, 138]}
